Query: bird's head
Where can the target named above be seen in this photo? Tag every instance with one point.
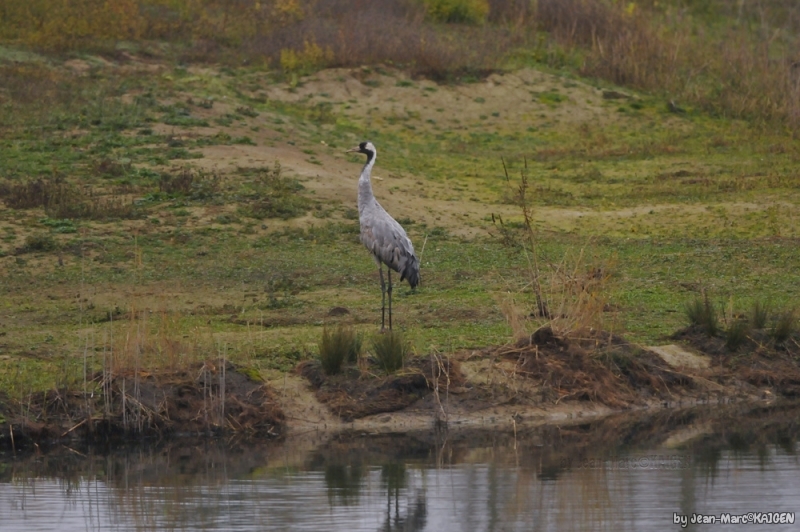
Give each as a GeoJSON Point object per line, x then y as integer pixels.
{"type": "Point", "coordinates": [366, 148]}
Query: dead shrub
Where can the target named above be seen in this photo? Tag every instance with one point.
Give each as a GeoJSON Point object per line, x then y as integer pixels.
{"type": "Point", "coordinates": [93, 207]}
{"type": "Point", "coordinates": [568, 296]}
{"type": "Point", "coordinates": [63, 200]}
{"type": "Point", "coordinates": [190, 183]}
{"type": "Point", "coordinates": [180, 183]}
{"type": "Point", "coordinates": [34, 193]}
{"type": "Point", "coordinates": [39, 242]}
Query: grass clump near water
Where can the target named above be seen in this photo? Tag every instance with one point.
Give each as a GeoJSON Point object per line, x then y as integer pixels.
{"type": "Point", "coordinates": [701, 313]}
{"type": "Point", "coordinates": [737, 334]}
{"type": "Point", "coordinates": [785, 326]}
{"type": "Point", "coordinates": [391, 351]}
{"type": "Point", "coordinates": [759, 315]}
{"type": "Point", "coordinates": [337, 347]}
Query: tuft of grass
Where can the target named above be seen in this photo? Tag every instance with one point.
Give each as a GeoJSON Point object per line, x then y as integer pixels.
{"type": "Point", "coordinates": [391, 351]}
{"type": "Point", "coordinates": [40, 242]}
{"type": "Point", "coordinates": [354, 350]}
{"type": "Point", "coordinates": [736, 335]}
{"type": "Point", "coordinates": [759, 315]}
{"type": "Point", "coordinates": [785, 326]}
{"type": "Point", "coordinates": [338, 346]}
{"type": "Point", "coordinates": [465, 11]}
{"type": "Point", "coordinates": [702, 313]}
{"type": "Point", "coordinates": [189, 183]}
{"type": "Point", "coordinates": [276, 196]}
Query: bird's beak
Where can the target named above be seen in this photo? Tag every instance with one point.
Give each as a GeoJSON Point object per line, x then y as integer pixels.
{"type": "Point", "coordinates": [351, 150]}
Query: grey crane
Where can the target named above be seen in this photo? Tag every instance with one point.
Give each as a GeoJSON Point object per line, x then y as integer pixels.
{"type": "Point", "coordinates": [382, 235]}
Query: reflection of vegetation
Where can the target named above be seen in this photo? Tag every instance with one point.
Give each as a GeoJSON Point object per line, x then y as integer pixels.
{"type": "Point", "coordinates": [343, 483]}
{"type": "Point", "coordinates": [757, 432]}
{"type": "Point", "coordinates": [170, 474]}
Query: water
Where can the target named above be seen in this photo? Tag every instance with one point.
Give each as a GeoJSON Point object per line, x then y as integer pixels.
{"type": "Point", "coordinates": [625, 473]}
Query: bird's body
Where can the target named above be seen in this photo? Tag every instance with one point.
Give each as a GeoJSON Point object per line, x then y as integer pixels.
{"type": "Point", "coordinates": [381, 234]}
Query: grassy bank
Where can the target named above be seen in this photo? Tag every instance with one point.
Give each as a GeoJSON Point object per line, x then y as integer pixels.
{"type": "Point", "coordinates": [154, 213]}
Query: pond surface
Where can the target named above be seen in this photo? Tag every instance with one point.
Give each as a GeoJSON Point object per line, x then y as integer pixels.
{"type": "Point", "coordinates": [624, 473]}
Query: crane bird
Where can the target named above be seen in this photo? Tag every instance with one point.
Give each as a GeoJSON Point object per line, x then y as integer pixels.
{"type": "Point", "coordinates": [382, 235]}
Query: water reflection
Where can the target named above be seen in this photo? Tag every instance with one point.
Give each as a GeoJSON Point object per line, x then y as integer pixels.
{"type": "Point", "coordinates": [625, 473]}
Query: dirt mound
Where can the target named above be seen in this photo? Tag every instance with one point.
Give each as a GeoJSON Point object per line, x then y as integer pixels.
{"type": "Point", "coordinates": [354, 394]}
{"type": "Point", "coordinates": [204, 399]}
{"type": "Point", "coordinates": [759, 361]}
{"type": "Point", "coordinates": [599, 367]}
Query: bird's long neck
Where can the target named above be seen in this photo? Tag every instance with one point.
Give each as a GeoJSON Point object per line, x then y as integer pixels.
{"type": "Point", "coordinates": [365, 195]}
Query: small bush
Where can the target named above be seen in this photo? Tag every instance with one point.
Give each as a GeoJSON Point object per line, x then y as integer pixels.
{"type": "Point", "coordinates": [467, 11]}
{"type": "Point", "coordinates": [88, 207]}
{"type": "Point", "coordinates": [759, 315]}
{"type": "Point", "coordinates": [276, 196]}
{"type": "Point", "coordinates": [702, 313]}
{"type": "Point", "coordinates": [784, 326]}
{"type": "Point", "coordinates": [193, 185]}
{"type": "Point", "coordinates": [310, 58]}
{"type": "Point", "coordinates": [390, 351]}
{"type": "Point", "coordinates": [338, 346]}
{"type": "Point", "coordinates": [180, 183]}
{"type": "Point", "coordinates": [34, 193]}
{"type": "Point", "coordinates": [736, 335]}
{"type": "Point", "coordinates": [40, 242]}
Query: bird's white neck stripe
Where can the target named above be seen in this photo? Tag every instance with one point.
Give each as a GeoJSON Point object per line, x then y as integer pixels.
{"type": "Point", "coordinates": [365, 185]}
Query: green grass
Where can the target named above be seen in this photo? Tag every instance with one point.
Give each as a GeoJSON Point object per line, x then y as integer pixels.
{"type": "Point", "coordinates": [391, 350]}
{"type": "Point", "coordinates": [736, 335]}
{"type": "Point", "coordinates": [673, 206]}
{"type": "Point", "coordinates": [338, 347]}
{"type": "Point", "coordinates": [785, 326]}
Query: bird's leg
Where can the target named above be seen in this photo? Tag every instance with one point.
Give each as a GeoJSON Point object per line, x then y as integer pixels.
{"type": "Point", "coordinates": [389, 271]}
{"type": "Point", "coordinates": [383, 296]}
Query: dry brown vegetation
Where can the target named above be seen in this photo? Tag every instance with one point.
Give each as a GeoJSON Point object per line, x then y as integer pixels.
{"type": "Point", "coordinates": [204, 398]}
{"type": "Point", "coordinates": [62, 200]}
{"type": "Point", "coordinates": [734, 62]}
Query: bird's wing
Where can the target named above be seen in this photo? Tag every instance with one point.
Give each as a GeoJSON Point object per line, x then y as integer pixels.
{"type": "Point", "coordinates": [387, 240]}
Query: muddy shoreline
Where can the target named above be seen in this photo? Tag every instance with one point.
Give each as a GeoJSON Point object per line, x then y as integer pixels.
{"type": "Point", "coordinates": [537, 381]}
